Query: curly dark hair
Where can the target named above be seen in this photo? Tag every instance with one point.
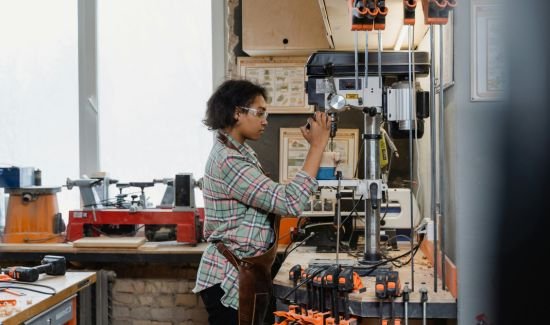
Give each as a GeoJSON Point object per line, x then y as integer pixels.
{"type": "Point", "coordinates": [223, 102]}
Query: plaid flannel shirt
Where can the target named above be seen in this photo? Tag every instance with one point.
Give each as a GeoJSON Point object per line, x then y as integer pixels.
{"type": "Point", "coordinates": [237, 198]}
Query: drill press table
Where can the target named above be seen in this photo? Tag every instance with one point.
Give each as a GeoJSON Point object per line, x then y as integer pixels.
{"type": "Point", "coordinates": [441, 304]}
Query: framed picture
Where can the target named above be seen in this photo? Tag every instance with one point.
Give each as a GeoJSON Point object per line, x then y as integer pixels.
{"type": "Point", "coordinates": [293, 149]}
{"type": "Point", "coordinates": [284, 79]}
{"type": "Point", "coordinates": [448, 52]}
{"type": "Point", "coordinates": [488, 57]}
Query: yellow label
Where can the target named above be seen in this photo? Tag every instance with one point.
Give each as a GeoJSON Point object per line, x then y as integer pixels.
{"type": "Point", "coordinates": [352, 96]}
{"type": "Point", "coordinates": [383, 153]}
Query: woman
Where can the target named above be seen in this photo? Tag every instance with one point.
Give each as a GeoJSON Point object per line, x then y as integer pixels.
{"type": "Point", "coordinates": [239, 198]}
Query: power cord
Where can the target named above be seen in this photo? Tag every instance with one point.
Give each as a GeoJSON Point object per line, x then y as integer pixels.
{"type": "Point", "coordinates": [300, 243]}
{"type": "Point", "coordinates": [53, 291]}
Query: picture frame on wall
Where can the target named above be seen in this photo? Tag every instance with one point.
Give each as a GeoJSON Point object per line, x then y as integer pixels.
{"type": "Point", "coordinates": [448, 52]}
{"type": "Point", "coordinates": [293, 149]}
{"type": "Point", "coordinates": [283, 78]}
{"type": "Point", "coordinates": [488, 57]}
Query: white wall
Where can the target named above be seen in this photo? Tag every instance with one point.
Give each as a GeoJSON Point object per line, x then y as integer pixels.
{"type": "Point", "coordinates": [154, 77]}
{"type": "Point", "coordinates": [473, 178]}
{"type": "Point", "coordinates": [39, 90]}
{"type": "Point", "coordinates": [422, 146]}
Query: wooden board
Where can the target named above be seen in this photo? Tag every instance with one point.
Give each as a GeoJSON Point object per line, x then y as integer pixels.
{"type": "Point", "coordinates": [115, 242]}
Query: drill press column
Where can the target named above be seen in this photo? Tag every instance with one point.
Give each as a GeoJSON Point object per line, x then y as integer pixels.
{"type": "Point", "coordinates": [374, 183]}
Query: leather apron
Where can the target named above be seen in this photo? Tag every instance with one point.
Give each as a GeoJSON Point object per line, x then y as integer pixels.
{"type": "Point", "coordinates": [255, 284]}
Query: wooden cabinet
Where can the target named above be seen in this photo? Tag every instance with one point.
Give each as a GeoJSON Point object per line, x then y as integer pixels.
{"type": "Point", "coordinates": [283, 27]}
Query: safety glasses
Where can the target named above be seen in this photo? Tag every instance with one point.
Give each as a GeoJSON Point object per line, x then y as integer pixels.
{"type": "Point", "coordinates": [261, 113]}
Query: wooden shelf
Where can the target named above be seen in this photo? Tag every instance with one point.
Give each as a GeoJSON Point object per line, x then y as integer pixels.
{"type": "Point", "coordinates": [283, 27]}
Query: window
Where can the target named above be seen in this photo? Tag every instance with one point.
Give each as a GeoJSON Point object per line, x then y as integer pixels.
{"type": "Point", "coordinates": [154, 78]}
{"type": "Point", "coordinates": [39, 91]}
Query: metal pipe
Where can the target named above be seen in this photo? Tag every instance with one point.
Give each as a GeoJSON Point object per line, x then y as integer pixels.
{"type": "Point", "coordinates": [406, 302]}
{"type": "Point", "coordinates": [338, 217]}
{"type": "Point", "coordinates": [442, 160]}
{"type": "Point", "coordinates": [424, 318]}
{"type": "Point", "coordinates": [433, 149]}
{"type": "Point", "coordinates": [380, 58]}
{"type": "Point", "coordinates": [366, 83]}
{"type": "Point", "coordinates": [412, 93]}
{"type": "Point", "coordinates": [372, 225]}
{"type": "Point", "coordinates": [356, 56]}
{"type": "Point", "coordinates": [365, 155]}
{"type": "Point", "coordinates": [373, 171]}
{"type": "Point", "coordinates": [424, 300]}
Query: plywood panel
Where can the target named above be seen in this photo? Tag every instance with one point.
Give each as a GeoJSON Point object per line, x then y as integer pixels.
{"type": "Point", "coordinates": [115, 242]}
{"type": "Point", "coordinates": [282, 27]}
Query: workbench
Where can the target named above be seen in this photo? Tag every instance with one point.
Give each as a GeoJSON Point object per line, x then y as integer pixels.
{"type": "Point", "coordinates": [152, 263]}
{"type": "Point", "coordinates": [150, 252]}
{"type": "Point", "coordinates": [441, 304]}
{"type": "Point", "coordinates": [59, 308]}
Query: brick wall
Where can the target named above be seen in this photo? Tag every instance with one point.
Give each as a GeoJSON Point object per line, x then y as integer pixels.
{"type": "Point", "coordinates": [158, 301]}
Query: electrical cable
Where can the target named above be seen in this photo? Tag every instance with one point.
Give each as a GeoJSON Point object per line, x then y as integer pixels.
{"type": "Point", "coordinates": [300, 243]}
{"type": "Point", "coordinates": [397, 263]}
{"type": "Point", "coordinates": [387, 206]}
{"type": "Point", "coordinates": [18, 286]}
{"type": "Point", "coordinates": [398, 236]}
{"type": "Point", "coordinates": [298, 226]}
{"type": "Point", "coordinates": [354, 209]}
{"type": "Point", "coordinates": [359, 155]}
{"type": "Point", "coordinates": [413, 252]}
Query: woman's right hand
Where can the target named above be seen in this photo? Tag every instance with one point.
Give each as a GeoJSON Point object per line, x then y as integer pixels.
{"type": "Point", "coordinates": [318, 133]}
{"type": "Point", "coordinates": [317, 136]}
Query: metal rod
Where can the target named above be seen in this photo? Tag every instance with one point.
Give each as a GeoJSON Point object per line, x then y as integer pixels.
{"type": "Point", "coordinates": [365, 154]}
{"type": "Point", "coordinates": [366, 83]}
{"type": "Point", "coordinates": [380, 58]}
{"type": "Point", "coordinates": [365, 177]}
{"type": "Point", "coordinates": [412, 93]}
{"type": "Point", "coordinates": [372, 226]}
{"type": "Point", "coordinates": [338, 217]}
{"type": "Point", "coordinates": [406, 297]}
{"type": "Point", "coordinates": [372, 172]}
{"type": "Point", "coordinates": [424, 318]}
{"type": "Point", "coordinates": [424, 300]}
{"type": "Point", "coordinates": [442, 159]}
{"type": "Point", "coordinates": [433, 149]}
{"type": "Point", "coordinates": [356, 56]}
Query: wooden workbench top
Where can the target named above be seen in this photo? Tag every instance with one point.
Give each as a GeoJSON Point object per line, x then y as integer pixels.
{"type": "Point", "coordinates": [147, 248]}
{"type": "Point", "coordinates": [65, 286]}
{"type": "Point", "coordinates": [150, 252]}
